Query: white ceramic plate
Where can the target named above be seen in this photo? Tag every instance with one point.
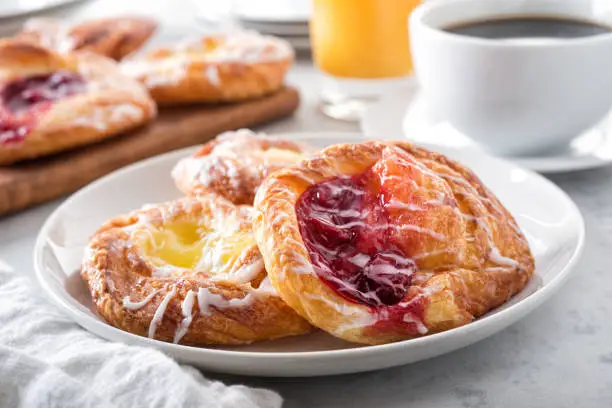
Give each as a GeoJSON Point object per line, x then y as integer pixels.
{"type": "Point", "coordinates": [281, 29]}
{"type": "Point", "coordinates": [555, 232]}
{"type": "Point", "coordinates": [19, 8]}
{"type": "Point", "coordinates": [403, 113]}
{"type": "Point", "coordinates": [280, 11]}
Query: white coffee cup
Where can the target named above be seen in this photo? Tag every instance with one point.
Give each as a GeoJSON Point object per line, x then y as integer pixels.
{"type": "Point", "coordinates": [514, 97]}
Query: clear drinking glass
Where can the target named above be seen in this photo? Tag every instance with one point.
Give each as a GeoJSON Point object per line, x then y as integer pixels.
{"type": "Point", "coordinates": [362, 48]}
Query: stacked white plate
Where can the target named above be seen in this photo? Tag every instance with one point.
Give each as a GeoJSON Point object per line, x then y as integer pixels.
{"type": "Point", "coordinates": [13, 13]}
{"type": "Point", "coordinates": [287, 19]}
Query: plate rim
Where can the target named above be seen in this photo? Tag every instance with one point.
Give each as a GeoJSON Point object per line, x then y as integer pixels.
{"type": "Point", "coordinates": [27, 12]}
{"type": "Point", "coordinates": [540, 164]}
{"type": "Point", "coordinates": [519, 309]}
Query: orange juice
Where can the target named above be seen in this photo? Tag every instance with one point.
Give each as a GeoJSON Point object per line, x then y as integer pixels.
{"type": "Point", "coordinates": [362, 38]}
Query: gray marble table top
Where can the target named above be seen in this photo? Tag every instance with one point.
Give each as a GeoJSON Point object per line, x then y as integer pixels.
{"type": "Point", "coordinates": [558, 356]}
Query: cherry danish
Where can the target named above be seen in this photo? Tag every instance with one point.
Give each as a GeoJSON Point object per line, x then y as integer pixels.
{"type": "Point", "coordinates": [379, 242]}
{"type": "Point", "coordinates": [51, 102]}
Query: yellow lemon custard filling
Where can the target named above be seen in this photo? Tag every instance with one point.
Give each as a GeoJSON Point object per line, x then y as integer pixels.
{"type": "Point", "coordinates": [217, 242]}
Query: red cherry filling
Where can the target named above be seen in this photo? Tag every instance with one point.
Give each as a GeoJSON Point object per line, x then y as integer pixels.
{"type": "Point", "coordinates": [345, 227]}
{"type": "Point", "coordinates": [23, 100]}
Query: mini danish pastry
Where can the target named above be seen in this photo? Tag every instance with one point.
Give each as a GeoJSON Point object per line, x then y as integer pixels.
{"type": "Point", "coordinates": [187, 272]}
{"type": "Point", "coordinates": [380, 242]}
{"type": "Point", "coordinates": [235, 164]}
{"type": "Point", "coordinates": [220, 68]}
{"type": "Point", "coordinates": [112, 37]}
{"type": "Point", "coordinates": [51, 102]}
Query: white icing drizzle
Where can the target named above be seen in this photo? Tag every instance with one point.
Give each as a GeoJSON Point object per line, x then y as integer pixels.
{"type": "Point", "coordinates": [157, 72]}
{"type": "Point", "coordinates": [159, 313]}
{"type": "Point", "coordinates": [360, 260]}
{"type": "Point", "coordinates": [102, 116]}
{"type": "Point", "coordinates": [128, 304]}
{"type": "Point", "coordinates": [212, 74]}
{"type": "Point", "coordinates": [248, 272]}
{"type": "Point", "coordinates": [346, 309]}
{"type": "Point", "coordinates": [299, 264]}
{"type": "Point", "coordinates": [206, 299]}
{"type": "Point", "coordinates": [164, 271]}
{"type": "Point", "coordinates": [494, 254]}
{"type": "Point", "coordinates": [399, 205]}
{"type": "Point", "coordinates": [187, 310]}
{"type": "Point", "coordinates": [497, 269]}
{"type": "Point", "coordinates": [410, 318]}
{"type": "Point", "coordinates": [266, 288]}
{"type": "Point", "coordinates": [499, 259]}
{"type": "Point", "coordinates": [359, 317]}
{"type": "Point", "coordinates": [421, 230]}
{"type": "Point", "coordinates": [245, 46]}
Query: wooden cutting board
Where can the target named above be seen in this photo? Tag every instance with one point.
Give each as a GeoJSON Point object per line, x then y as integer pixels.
{"type": "Point", "coordinates": [38, 181]}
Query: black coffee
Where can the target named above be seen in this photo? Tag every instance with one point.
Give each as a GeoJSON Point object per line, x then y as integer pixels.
{"type": "Point", "coordinates": [529, 27]}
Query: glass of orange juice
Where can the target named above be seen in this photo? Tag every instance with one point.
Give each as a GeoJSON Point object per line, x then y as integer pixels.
{"type": "Point", "coordinates": [362, 48]}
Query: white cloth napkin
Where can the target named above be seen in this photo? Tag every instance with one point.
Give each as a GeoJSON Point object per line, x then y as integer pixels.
{"type": "Point", "coordinates": [48, 361]}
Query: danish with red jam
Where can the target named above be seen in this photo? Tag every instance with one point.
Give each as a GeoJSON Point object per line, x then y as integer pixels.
{"type": "Point", "coordinates": [380, 242]}
{"type": "Point", "coordinates": [187, 272]}
{"type": "Point", "coordinates": [53, 102]}
{"type": "Point", "coordinates": [114, 37]}
{"type": "Point", "coordinates": [217, 68]}
{"type": "Point", "coordinates": [235, 164]}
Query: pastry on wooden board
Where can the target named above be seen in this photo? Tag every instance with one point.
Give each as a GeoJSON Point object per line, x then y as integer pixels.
{"type": "Point", "coordinates": [52, 102]}
{"type": "Point", "coordinates": [113, 37]}
{"type": "Point", "coordinates": [217, 68]}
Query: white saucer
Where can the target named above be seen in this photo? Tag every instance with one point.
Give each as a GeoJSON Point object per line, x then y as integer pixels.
{"type": "Point", "coordinates": [280, 11]}
{"type": "Point", "coordinates": [403, 113]}
{"type": "Point", "coordinates": [555, 233]}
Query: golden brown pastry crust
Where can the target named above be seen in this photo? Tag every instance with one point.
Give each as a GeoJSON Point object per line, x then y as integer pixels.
{"type": "Point", "coordinates": [235, 164]}
{"type": "Point", "coordinates": [227, 300]}
{"type": "Point", "coordinates": [112, 37]}
{"type": "Point", "coordinates": [220, 68]}
{"type": "Point", "coordinates": [470, 254]}
{"type": "Point", "coordinates": [111, 103]}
